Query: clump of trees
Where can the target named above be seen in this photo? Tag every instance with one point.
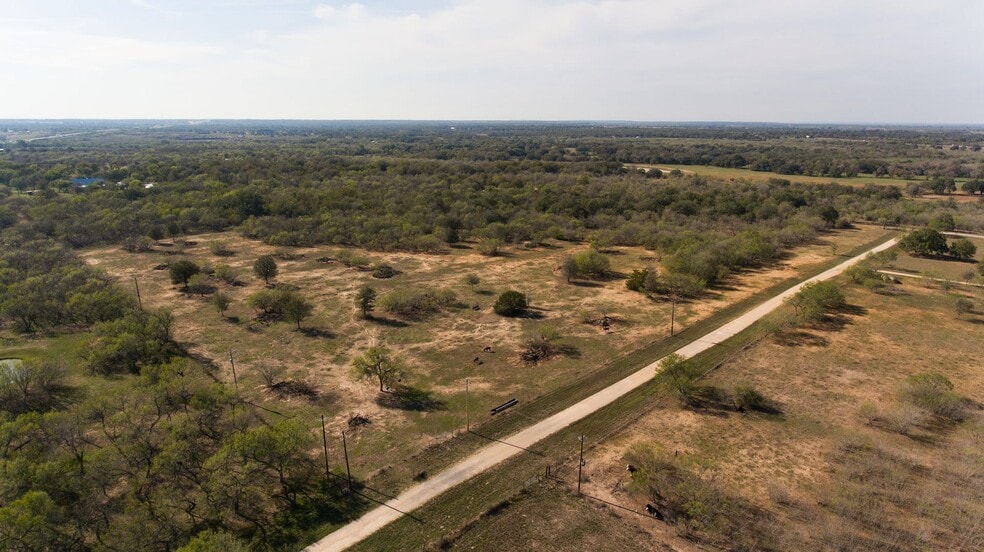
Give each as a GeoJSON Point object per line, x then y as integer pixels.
{"type": "Point", "coordinates": [280, 303]}
{"type": "Point", "coordinates": [31, 385]}
{"type": "Point", "coordinates": [414, 303]}
{"type": "Point", "coordinates": [928, 242]}
{"type": "Point", "coordinates": [924, 242]}
{"type": "Point", "coordinates": [43, 286]}
{"type": "Point", "coordinates": [588, 264]}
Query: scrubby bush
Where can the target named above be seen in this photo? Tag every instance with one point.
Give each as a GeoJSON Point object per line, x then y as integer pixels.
{"type": "Point", "coordinates": [815, 300]}
{"type": "Point", "coordinates": [411, 303]}
{"type": "Point", "coordinates": [490, 247]}
{"type": "Point", "coordinates": [592, 264]}
{"type": "Point", "coordinates": [933, 392]}
{"type": "Point", "coordinates": [963, 248]}
{"type": "Point", "coordinates": [637, 280]}
{"type": "Point", "coordinates": [383, 271]}
{"type": "Point", "coordinates": [510, 303]}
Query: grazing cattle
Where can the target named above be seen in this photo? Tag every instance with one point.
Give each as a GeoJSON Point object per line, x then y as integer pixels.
{"type": "Point", "coordinates": [651, 510]}
{"type": "Point", "coordinates": [477, 360]}
{"type": "Point", "coordinates": [631, 469]}
{"type": "Point", "coordinates": [487, 350]}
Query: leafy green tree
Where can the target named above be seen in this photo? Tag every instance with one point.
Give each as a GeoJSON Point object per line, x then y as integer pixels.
{"type": "Point", "coordinates": [814, 300]}
{"type": "Point", "coordinates": [366, 300]}
{"type": "Point", "coordinates": [182, 271]}
{"type": "Point", "coordinates": [221, 302]}
{"type": "Point", "coordinates": [25, 524]}
{"type": "Point", "coordinates": [295, 308]}
{"type": "Point", "coordinates": [265, 267]}
{"type": "Point", "coordinates": [510, 303]}
{"type": "Point", "coordinates": [924, 242]}
{"type": "Point", "coordinates": [378, 363]}
{"type": "Point", "coordinates": [677, 373]}
{"type": "Point", "coordinates": [975, 186]}
{"type": "Point", "coordinates": [963, 248]}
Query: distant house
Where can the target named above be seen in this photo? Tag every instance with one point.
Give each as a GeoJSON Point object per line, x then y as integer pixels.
{"type": "Point", "coordinates": [86, 182]}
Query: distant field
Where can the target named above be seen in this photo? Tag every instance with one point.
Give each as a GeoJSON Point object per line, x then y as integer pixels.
{"type": "Point", "coordinates": [760, 176]}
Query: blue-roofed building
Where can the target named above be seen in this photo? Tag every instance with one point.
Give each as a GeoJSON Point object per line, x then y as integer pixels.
{"type": "Point", "coordinates": [86, 182]}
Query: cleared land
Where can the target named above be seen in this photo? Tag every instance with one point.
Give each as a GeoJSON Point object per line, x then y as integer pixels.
{"type": "Point", "coordinates": [833, 470]}
{"type": "Point", "coordinates": [439, 350]}
{"type": "Point", "coordinates": [526, 439]}
{"type": "Point", "coordinates": [726, 173]}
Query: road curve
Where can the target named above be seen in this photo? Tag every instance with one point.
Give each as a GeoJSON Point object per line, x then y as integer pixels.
{"type": "Point", "coordinates": [489, 456]}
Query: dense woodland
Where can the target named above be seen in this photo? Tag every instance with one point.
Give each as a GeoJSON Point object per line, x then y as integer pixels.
{"type": "Point", "coordinates": [160, 451]}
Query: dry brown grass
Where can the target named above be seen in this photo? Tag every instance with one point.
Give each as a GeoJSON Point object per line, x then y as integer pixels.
{"type": "Point", "coordinates": [439, 351]}
{"type": "Point", "coordinates": [832, 479]}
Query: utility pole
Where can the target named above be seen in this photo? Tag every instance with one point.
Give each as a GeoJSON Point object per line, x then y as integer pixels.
{"type": "Point", "coordinates": [235, 380]}
{"type": "Point", "coordinates": [348, 471]}
{"type": "Point", "coordinates": [467, 418]}
{"type": "Point", "coordinates": [137, 286]}
{"type": "Point", "coordinates": [672, 314]}
{"type": "Point", "coordinates": [324, 440]}
{"type": "Point", "coordinates": [580, 465]}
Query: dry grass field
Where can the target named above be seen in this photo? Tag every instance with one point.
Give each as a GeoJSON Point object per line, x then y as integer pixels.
{"type": "Point", "coordinates": [439, 351]}
{"type": "Point", "coordinates": [846, 464]}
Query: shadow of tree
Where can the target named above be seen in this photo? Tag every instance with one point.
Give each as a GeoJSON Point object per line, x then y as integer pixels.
{"type": "Point", "coordinates": [317, 332]}
{"type": "Point", "coordinates": [389, 322]}
{"type": "Point", "coordinates": [405, 397]}
{"type": "Point", "coordinates": [799, 338]}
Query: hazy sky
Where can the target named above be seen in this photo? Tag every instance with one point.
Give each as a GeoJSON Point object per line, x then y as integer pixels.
{"type": "Point", "coordinates": [904, 61]}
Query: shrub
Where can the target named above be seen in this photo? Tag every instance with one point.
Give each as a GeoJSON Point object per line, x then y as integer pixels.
{"type": "Point", "coordinates": [228, 274]}
{"type": "Point", "coordinates": [814, 300]}
{"type": "Point", "coordinates": [748, 398]}
{"type": "Point", "coordinates": [637, 280]}
{"type": "Point", "coordinates": [471, 279]}
{"type": "Point", "coordinates": [490, 247]}
{"type": "Point", "coordinates": [963, 249]}
{"type": "Point", "coordinates": [351, 258]}
{"type": "Point", "coordinates": [220, 248]}
{"type": "Point", "coordinates": [383, 271]}
{"type": "Point", "coordinates": [592, 264]}
{"type": "Point", "coordinates": [510, 303]}
{"type": "Point", "coordinates": [411, 303]}
{"type": "Point", "coordinates": [964, 306]}
{"type": "Point", "coordinates": [933, 392]}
